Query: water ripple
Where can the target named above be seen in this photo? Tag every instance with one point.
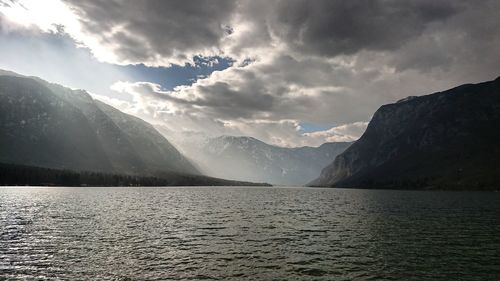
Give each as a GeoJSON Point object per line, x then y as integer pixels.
{"type": "Point", "coordinates": [247, 234]}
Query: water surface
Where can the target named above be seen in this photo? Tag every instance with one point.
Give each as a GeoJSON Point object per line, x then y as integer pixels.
{"type": "Point", "coordinates": [238, 233]}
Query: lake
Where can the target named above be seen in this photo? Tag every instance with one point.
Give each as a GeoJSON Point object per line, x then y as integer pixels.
{"type": "Point", "coordinates": [247, 233]}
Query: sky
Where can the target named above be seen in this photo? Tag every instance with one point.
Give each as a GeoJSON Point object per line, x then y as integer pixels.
{"type": "Point", "coordinates": [287, 72]}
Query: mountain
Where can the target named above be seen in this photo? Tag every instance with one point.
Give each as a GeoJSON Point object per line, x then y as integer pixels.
{"type": "Point", "coordinates": [47, 125]}
{"type": "Point", "coordinates": [446, 140]}
{"type": "Point", "coordinates": [249, 159]}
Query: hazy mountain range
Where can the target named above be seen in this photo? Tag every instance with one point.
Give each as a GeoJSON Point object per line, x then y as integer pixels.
{"type": "Point", "coordinates": [249, 159]}
{"type": "Point", "coordinates": [84, 140]}
{"type": "Point", "coordinates": [448, 139]}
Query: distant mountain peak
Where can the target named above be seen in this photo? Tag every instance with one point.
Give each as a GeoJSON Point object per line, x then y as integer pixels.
{"type": "Point", "coordinates": [237, 138]}
{"type": "Point", "coordinates": [250, 159]}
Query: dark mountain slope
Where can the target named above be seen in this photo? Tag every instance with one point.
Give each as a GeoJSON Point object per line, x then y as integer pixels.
{"type": "Point", "coordinates": [117, 146]}
{"type": "Point", "coordinates": [48, 125]}
{"type": "Point", "coordinates": [449, 139]}
{"type": "Point", "coordinates": [155, 150]}
{"type": "Point", "coordinates": [38, 128]}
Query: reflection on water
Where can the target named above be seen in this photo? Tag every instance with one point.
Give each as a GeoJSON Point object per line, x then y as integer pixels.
{"type": "Point", "coordinates": [248, 233]}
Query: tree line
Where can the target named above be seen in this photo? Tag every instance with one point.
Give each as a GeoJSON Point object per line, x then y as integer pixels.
{"type": "Point", "coordinates": [18, 175]}
{"type": "Point", "coordinates": [12, 174]}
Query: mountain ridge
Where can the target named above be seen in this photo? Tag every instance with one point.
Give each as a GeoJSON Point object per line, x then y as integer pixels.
{"type": "Point", "coordinates": [48, 125]}
{"type": "Point", "coordinates": [447, 139]}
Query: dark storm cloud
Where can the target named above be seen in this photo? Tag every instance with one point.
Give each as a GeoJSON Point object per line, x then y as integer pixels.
{"type": "Point", "coordinates": [466, 46]}
{"type": "Point", "coordinates": [333, 27]}
{"type": "Point", "coordinates": [235, 102]}
{"type": "Point", "coordinates": [160, 32]}
{"type": "Point", "coordinates": [218, 99]}
{"type": "Point", "coordinates": [143, 31]}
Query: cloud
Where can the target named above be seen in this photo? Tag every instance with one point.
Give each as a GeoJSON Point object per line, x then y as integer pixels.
{"type": "Point", "coordinates": [180, 115]}
{"type": "Point", "coordinates": [156, 32]}
{"type": "Point", "coordinates": [320, 62]}
{"type": "Point", "coordinates": [329, 28]}
{"type": "Point", "coordinates": [346, 132]}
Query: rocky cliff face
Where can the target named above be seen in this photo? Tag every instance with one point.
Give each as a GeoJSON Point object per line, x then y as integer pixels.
{"type": "Point", "coordinates": [249, 159]}
{"type": "Point", "coordinates": [48, 125]}
{"type": "Point", "coordinates": [448, 139]}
